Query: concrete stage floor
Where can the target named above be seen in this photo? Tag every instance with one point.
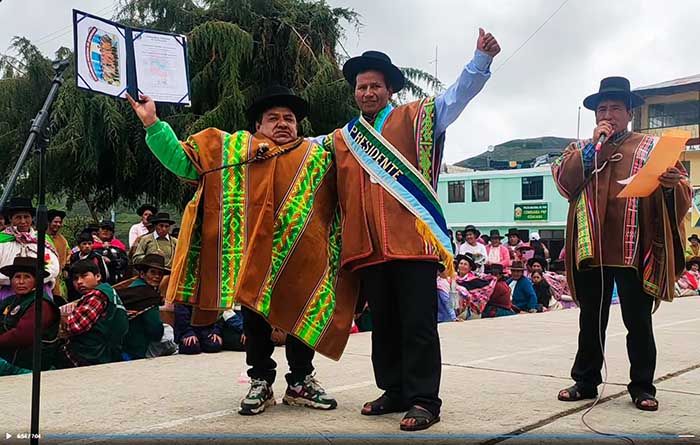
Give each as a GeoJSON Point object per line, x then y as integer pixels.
{"type": "Point", "coordinates": [500, 378]}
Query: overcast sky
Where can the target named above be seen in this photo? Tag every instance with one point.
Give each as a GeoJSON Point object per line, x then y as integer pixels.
{"type": "Point", "coordinates": [536, 93]}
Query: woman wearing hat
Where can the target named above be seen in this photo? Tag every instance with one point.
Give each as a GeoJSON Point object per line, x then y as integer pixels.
{"type": "Point", "coordinates": [20, 239]}
{"type": "Point", "coordinates": [524, 296]}
{"type": "Point", "coordinates": [689, 283]}
{"type": "Point", "coordinates": [693, 249]}
{"type": "Point", "coordinates": [536, 264]}
{"type": "Point", "coordinates": [263, 229]}
{"type": "Point", "coordinates": [514, 240]}
{"type": "Point", "coordinates": [141, 227]}
{"type": "Point", "coordinates": [499, 304]}
{"type": "Point", "coordinates": [142, 300]}
{"type": "Point", "coordinates": [472, 289]}
{"type": "Point", "coordinates": [473, 247]}
{"type": "Point", "coordinates": [637, 242]}
{"type": "Point", "coordinates": [497, 253]}
{"type": "Point", "coordinates": [17, 319]}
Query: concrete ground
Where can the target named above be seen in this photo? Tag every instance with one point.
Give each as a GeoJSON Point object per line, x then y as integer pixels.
{"type": "Point", "coordinates": [500, 378]}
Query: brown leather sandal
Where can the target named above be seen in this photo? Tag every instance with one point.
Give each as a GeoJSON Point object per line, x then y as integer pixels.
{"type": "Point", "coordinates": [424, 419]}
{"type": "Point", "coordinates": [645, 397]}
{"type": "Point", "coordinates": [383, 405]}
{"type": "Point", "coordinates": [576, 393]}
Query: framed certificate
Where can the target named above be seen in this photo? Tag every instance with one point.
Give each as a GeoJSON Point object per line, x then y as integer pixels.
{"type": "Point", "coordinates": [114, 59]}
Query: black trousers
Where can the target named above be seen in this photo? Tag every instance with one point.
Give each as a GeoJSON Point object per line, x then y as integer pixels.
{"type": "Point", "coordinates": [405, 343]}
{"type": "Point", "coordinates": [259, 348]}
{"type": "Point", "coordinates": [636, 308]}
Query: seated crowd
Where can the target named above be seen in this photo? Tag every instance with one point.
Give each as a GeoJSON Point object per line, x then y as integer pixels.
{"type": "Point", "coordinates": [102, 302]}
{"type": "Point", "coordinates": [496, 279]}
{"type": "Point", "coordinates": [689, 283]}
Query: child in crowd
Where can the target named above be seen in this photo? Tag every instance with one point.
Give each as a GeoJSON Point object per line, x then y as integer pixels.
{"type": "Point", "coordinates": [93, 328]}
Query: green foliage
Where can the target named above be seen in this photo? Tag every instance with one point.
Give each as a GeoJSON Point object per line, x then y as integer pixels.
{"type": "Point", "coordinates": [97, 153]}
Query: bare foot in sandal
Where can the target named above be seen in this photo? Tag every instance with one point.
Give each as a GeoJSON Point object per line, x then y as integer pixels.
{"type": "Point", "coordinates": [574, 393]}
{"type": "Point", "coordinates": [646, 402]}
{"type": "Point", "coordinates": [418, 418]}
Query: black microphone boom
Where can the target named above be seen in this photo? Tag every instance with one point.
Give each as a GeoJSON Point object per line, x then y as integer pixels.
{"type": "Point", "coordinates": [38, 141]}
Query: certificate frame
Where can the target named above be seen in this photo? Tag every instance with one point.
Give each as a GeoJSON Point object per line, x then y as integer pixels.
{"type": "Point", "coordinates": [90, 75]}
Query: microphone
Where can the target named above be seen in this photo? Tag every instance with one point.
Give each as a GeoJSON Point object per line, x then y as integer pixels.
{"type": "Point", "coordinates": [601, 141]}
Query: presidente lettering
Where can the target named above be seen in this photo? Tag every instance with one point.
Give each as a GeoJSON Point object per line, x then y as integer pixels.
{"type": "Point", "coordinates": [374, 153]}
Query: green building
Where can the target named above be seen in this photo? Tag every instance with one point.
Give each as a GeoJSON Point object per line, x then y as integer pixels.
{"type": "Point", "coordinates": [501, 199]}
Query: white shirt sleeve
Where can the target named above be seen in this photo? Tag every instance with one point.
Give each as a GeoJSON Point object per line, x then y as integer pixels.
{"type": "Point", "coordinates": [133, 234]}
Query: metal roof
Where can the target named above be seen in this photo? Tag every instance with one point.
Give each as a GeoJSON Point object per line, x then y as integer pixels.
{"type": "Point", "coordinates": [684, 84]}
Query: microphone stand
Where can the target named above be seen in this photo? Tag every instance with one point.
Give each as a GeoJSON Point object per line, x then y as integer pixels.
{"type": "Point", "coordinates": [38, 141]}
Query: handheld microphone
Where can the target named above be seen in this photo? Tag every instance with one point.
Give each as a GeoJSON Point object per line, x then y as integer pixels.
{"type": "Point", "coordinates": [601, 141]}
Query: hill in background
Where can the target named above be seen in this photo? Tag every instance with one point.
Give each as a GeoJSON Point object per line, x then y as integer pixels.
{"type": "Point", "coordinates": [521, 151]}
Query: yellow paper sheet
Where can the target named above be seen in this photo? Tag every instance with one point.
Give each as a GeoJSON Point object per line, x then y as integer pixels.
{"type": "Point", "coordinates": [665, 154]}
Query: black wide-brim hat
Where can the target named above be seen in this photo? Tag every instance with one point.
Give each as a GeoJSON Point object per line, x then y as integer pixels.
{"type": "Point", "coordinates": [539, 260]}
{"type": "Point", "coordinates": [472, 229]}
{"type": "Point", "coordinates": [161, 217]}
{"type": "Point", "coordinates": [145, 207]}
{"type": "Point", "coordinates": [277, 96]}
{"type": "Point", "coordinates": [689, 262]}
{"type": "Point", "coordinates": [51, 214]}
{"type": "Point", "coordinates": [22, 264]}
{"type": "Point", "coordinates": [107, 225]}
{"type": "Point", "coordinates": [465, 256]}
{"type": "Point", "coordinates": [374, 60]}
{"type": "Point", "coordinates": [617, 88]}
{"type": "Point", "coordinates": [495, 234]}
{"type": "Point", "coordinates": [694, 237]}
{"type": "Point", "coordinates": [514, 232]}
{"type": "Point", "coordinates": [18, 204]}
{"type": "Point", "coordinates": [152, 261]}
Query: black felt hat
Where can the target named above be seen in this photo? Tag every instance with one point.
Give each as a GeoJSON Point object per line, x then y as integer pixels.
{"type": "Point", "coordinates": [160, 218]}
{"type": "Point", "coordinates": [515, 232]}
{"type": "Point", "coordinates": [474, 230]}
{"type": "Point", "coordinates": [277, 96]}
{"type": "Point", "coordinates": [145, 207]}
{"type": "Point", "coordinates": [374, 60]}
{"type": "Point", "coordinates": [18, 204]}
{"type": "Point", "coordinates": [466, 256]}
{"type": "Point", "coordinates": [22, 264]}
{"type": "Point", "coordinates": [539, 260]}
{"type": "Point", "coordinates": [51, 214]}
{"type": "Point", "coordinates": [613, 88]}
{"type": "Point", "coordinates": [495, 234]}
{"type": "Point", "coordinates": [106, 224]}
{"type": "Point", "coordinates": [694, 237]}
{"type": "Point", "coordinates": [688, 263]}
{"type": "Point", "coordinates": [152, 261]}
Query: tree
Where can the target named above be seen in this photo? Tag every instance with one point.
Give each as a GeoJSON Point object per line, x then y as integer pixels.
{"type": "Point", "coordinates": [97, 152]}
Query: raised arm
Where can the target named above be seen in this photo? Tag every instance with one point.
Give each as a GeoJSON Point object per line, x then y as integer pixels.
{"type": "Point", "coordinates": [162, 141]}
{"type": "Point", "coordinates": [450, 104]}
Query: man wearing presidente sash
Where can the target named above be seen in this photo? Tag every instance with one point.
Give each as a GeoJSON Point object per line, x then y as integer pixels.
{"type": "Point", "coordinates": [263, 229]}
{"type": "Point", "coordinates": [394, 232]}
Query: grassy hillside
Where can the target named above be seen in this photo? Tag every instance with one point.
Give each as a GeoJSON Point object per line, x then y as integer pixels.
{"type": "Point", "coordinates": [523, 151]}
